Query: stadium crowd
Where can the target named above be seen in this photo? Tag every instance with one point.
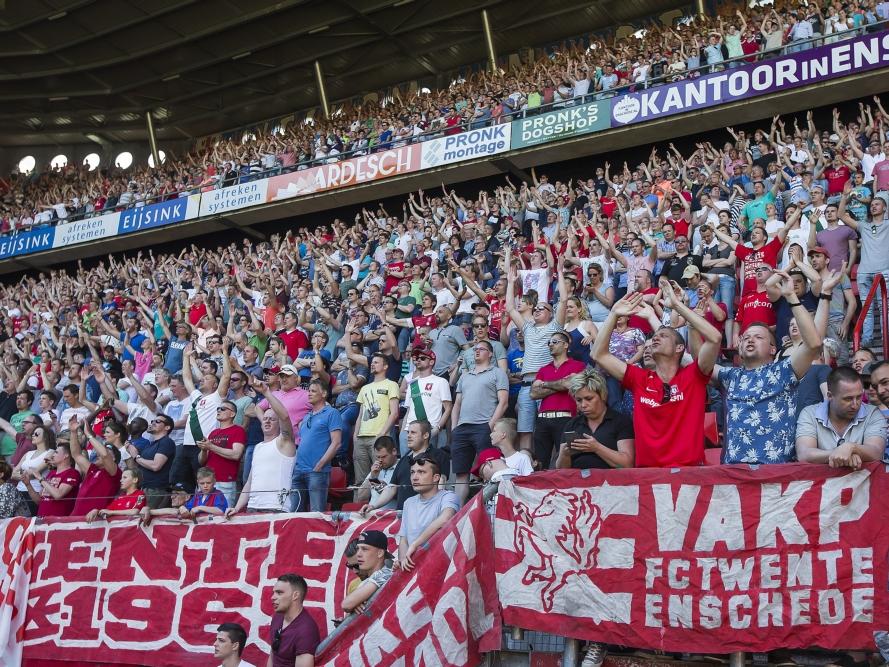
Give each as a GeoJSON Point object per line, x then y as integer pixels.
{"type": "Point", "coordinates": [546, 324]}
{"type": "Point", "coordinates": [572, 72]}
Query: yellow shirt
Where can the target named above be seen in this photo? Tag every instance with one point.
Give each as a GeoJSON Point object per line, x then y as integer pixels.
{"type": "Point", "coordinates": [374, 400]}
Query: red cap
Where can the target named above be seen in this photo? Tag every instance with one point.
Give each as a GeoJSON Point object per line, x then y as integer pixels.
{"type": "Point", "coordinates": [423, 352]}
{"type": "Point", "coordinates": [489, 454]}
{"type": "Point", "coordinates": [818, 250]}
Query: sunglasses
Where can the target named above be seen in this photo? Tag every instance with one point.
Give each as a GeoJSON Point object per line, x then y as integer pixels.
{"type": "Point", "coordinates": [667, 393]}
{"type": "Point", "coordinates": [539, 308]}
{"type": "Point", "coordinates": [353, 566]}
{"type": "Point", "coordinates": [479, 326]}
{"type": "Point", "coordinates": [276, 642]}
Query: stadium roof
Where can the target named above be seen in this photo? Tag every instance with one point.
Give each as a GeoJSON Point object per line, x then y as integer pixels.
{"type": "Point", "coordinates": [72, 68]}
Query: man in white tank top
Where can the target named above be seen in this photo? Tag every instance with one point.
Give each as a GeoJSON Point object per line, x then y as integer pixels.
{"type": "Point", "coordinates": [268, 486]}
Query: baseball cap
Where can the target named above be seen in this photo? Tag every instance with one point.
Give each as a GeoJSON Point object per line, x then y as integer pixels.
{"type": "Point", "coordinates": [374, 538]}
{"type": "Point", "coordinates": [690, 271]}
{"type": "Point", "coordinates": [818, 250]}
{"type": "Point", "coordinates": [423, 352]}
{"type": "Point", "coordinates": [288, 369]}
{"type": "Point", "coordinates": [179, 487]}
{"type": "Point", "coordinates": [489, 454]}
{"type": "Point", "coordinates": [481, 304]}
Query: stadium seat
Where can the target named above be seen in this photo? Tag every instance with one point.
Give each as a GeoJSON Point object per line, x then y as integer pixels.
{"type": "Point", "coordinates": [713, 456]}
{"type": "Point", "coordinates": [711, 429]}
{"type": "Point", "coordinates": [339, 485]}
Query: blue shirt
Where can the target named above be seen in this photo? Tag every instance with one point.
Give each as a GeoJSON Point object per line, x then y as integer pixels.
{"type": "Point", "coordinates": [135, 343]}
{"type": "Point", "coordinates": [314, 437]}
{"type": "Point", "coordinates": [760, 421]}
{"type": "Point", "coordinates": [175, 350]}
{"type": "Point", "coordinates": [310, 354]}
{"type": "Point", "coordinates": [212, 499]}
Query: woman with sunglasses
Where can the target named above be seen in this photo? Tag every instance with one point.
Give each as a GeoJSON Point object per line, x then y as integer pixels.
{"type": "Point", "coordinates": [34, 462]}
{"type": "Point", "coordinates": [580, 328]}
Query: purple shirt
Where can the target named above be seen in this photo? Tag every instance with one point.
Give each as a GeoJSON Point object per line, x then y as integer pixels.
{"type": "Point", "coordinates": [836, 242]}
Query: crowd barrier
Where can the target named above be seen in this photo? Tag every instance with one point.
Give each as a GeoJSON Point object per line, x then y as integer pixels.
{"type": "Point", "coordinates": [711, 559]}
{"type": "Point", "coordinates": [803, 67]}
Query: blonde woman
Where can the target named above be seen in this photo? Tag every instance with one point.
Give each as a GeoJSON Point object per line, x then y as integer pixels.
{"type": "Point", "coordinates": [580, 328]}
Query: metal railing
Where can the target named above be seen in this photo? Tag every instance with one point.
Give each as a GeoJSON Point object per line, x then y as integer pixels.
{"type": "Point", "coordinates": [878, 284]}
{"type": "Point", "coordinates": [764, 54]}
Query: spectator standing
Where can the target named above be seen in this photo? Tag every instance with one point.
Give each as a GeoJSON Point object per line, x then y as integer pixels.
{"type": "Point", "coordinates": [537, 331]}
{"type": "Point", "coordinates": [874, 235]}
{"type": "Point", "coordinates": [377, 415]}
{"type": "Point", "coordinates": [11, 503]}
{"type": "Point", "coordinates": [293, 634]}
{"type": "Point", "coordinates": [482, 398]}
{"type": "Point", "coordinates": [268, 484]}
{"type": "Point", "coordinates": [425, 513]}
{"type": "Point", "coordinates": [319, 440]}
{"type": "Point", "coordinates": [155, 461]}
{"type": "Point", "coordinates": [223, 448]}
{"type": "Point", "coordinates": [204, 400]}
{"type": "Point", "coordinates": [294, 398]}
{"type": "Point", "coordinates": [427, 397]}
{"type": "Point", "coordinates": [58, 490]}
{"type": "Point", "coordinates": [842, 431]}
{"type": "Point", "coordinates": [556, 406]}
{"type": "Point", "coordinates": [669, 401]}
{"type": "Point", "coordinates": [761, 392]}
{"type": "Point", "coordinates": [100, 480]}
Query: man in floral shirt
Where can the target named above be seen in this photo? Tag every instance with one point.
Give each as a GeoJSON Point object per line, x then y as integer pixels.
{"type": "Point", "coordinates": [761, 393]}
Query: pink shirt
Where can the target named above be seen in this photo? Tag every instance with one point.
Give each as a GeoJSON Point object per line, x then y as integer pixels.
{"type": "Point", "coordinates": [296, 402]}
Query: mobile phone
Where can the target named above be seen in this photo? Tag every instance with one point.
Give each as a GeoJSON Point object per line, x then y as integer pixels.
{"type": "Point", "coordinates": [569, 437]}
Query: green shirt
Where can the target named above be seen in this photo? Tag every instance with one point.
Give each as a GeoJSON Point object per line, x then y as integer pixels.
{"type": "Point", "coordinates": [7, 443]}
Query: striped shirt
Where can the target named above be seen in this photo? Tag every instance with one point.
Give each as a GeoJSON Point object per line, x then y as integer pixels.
{"type": "Point", "coordinates": [537, 354]}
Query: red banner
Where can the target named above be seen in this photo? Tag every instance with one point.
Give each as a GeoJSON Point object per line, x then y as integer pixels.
{"type": "Point", "coordinates": [711, 559]}
{"type": "Point", "coordinates": [118, 593]}
{"type": "Point", "coordinates": [355, 171]}
{"type": "Point", "coordinates": [445, 612]}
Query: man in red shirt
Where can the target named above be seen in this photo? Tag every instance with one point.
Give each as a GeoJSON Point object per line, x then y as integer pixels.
{"type": "Point", "coordinates": [551, 384]}
{"type": "Point", "coordinates": [760, 253]}
{"type": "Point", "coordinates": [223, 449]}
{"type": "Point", "coordinates": [129, 503]}
{"type": "Point", "coordinates": [295, 340]}
{"type": "Point", "coordinates": [755, 305]}
{"type": "Point", "coordinates": [59, 488]}
{"type": "Point", "coordinates": [101, 479]}
{"type": "Point", "coordinates": [669, 401]}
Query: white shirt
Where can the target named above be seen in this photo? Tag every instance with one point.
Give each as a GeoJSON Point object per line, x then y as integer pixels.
{"type": "Point", "coordinates": [520, 462]}
{"type": "Point", "coordinates": [206, 409]}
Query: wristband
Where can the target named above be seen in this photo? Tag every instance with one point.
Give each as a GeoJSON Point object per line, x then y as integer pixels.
{"type": "Point", "coordinates": [825, 297]}
{"type": "Point", "coordinates": [794, 305]}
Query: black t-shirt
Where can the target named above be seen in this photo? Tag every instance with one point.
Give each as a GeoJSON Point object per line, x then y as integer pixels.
{"type": "Point", "coordinates": [809, 391]}
{"type": "Point", "coordinates": [675, 267]}
{"type": "Point", "coordinates": [783, 313]}
{"type": "Point", "coordinates": [614, 427]}
{"type": "Point", "coordinates": [157, 479]}
{"type": "Point", "coordinates": [402, 473]}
